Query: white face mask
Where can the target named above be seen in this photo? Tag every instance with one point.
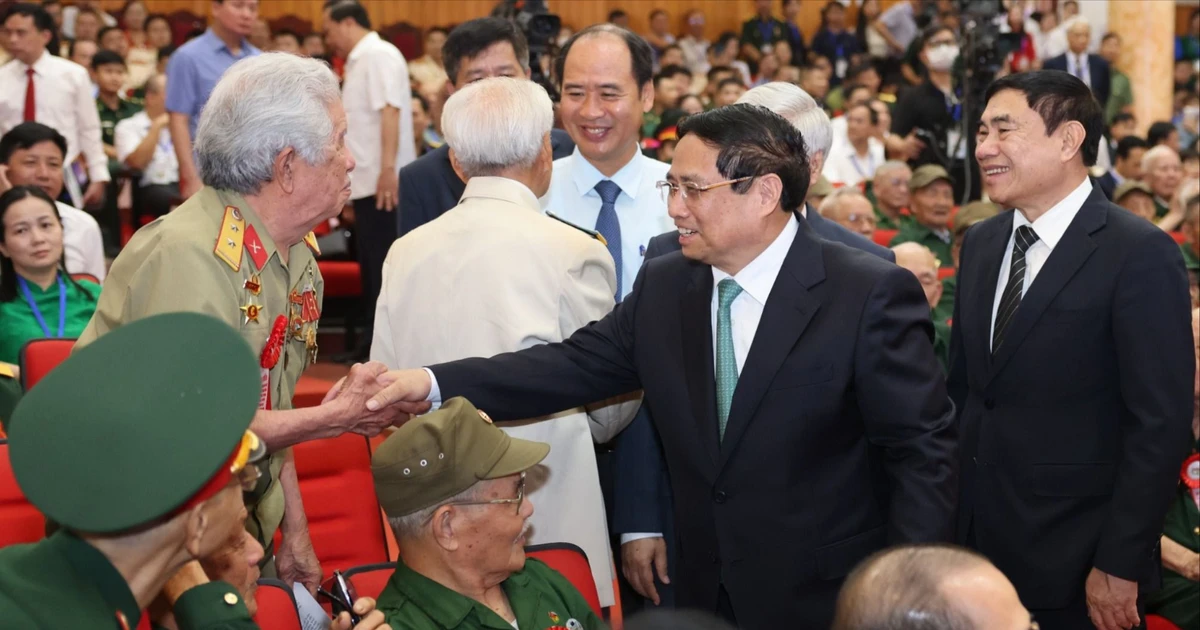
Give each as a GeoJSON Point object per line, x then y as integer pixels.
{"type": "Point", "coordinates": [942, 57]}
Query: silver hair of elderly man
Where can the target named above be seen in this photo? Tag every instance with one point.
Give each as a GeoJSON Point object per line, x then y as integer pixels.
{"type": "Point", "coordinates": [262, 105]}
{"type": "Point", "coordinates": [497, 124]}
{"type": "Point", "coordinates": [799, 108]}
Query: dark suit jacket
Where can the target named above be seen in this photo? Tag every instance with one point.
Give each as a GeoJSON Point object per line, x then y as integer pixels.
{"type": "Point", "coordinates": [641, 494]}
{"type": "Point", "coordinates": [1107, 184]}
{"type": "Point", "coordinates": [429, 186]}
{"type": "Point", "coordinates": [1073, 434]}
{"type": "Point", "coordinates": [840, 437]}
{"type": "Point", "coordinates": [1098, 71]}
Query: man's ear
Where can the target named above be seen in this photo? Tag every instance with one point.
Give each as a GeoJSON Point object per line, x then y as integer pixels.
{"type": "Point", "coordinates": [647, 96]}
{"type": "Point", "coordinates": [196, 526]}
{"type": "Point", "coordinates": [1073, 136]}
{"type": "Point", "coordinates": [770, 192]}
{"type": "Point", "coordinates": [454, 164]}
{"type": "Point", "coordinates": [285, 169]}
{"type": "Point", "coordinates": [443, 528]}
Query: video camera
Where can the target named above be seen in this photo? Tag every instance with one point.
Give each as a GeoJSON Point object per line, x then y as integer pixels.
{"type": "Point", "coordinates": [540, 27]}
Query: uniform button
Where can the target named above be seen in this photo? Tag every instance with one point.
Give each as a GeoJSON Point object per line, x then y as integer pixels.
{"type": "Point", "coordinates": [231, 599]}
{"type": "Point", "coordinates": [1197, 532]}
{"type": "Point", "coordinates": [719, 496]}
{"type": "Point", "coordinates": [990, 403]}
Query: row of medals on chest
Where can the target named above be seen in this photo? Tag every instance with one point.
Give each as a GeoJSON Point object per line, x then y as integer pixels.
{"type": "Point", "coordinates": [299, 324]}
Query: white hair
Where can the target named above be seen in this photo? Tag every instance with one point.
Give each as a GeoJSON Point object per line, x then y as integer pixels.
{"type": "Point", "coordinates": [1152, 156]}
{"type": "Point", "coordinates": [798, 108]}
{"type": "Point", "coordinates": [833, 200]}
{"type": "Point", "coordinates": [891, 165]}
{"type": "Point", "coordinates": [261, 106]}
{"type": "Point", "coordinates": [409, 526]}
{"type": "Point", "coordinates": [497, 124]}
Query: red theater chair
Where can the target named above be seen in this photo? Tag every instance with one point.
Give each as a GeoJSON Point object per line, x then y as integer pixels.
{"type": "Point", "coordinates": [276, 606]}
{"type": "Point", "coordinates": [883, 237]}
{"type": "Point", "coordinates": [39, 356]}
{"type": "Point", "coordinates": [20, 522]}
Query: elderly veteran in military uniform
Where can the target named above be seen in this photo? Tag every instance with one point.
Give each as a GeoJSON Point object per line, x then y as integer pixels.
{"type": "Point", "coordinates": [931, 204]}
{"type": "Point", "coordinates": [143, 467]}
{"type": "Point", "coordinates": [272, 155]}
{"type": "Point", "coordinates": [453, 487]}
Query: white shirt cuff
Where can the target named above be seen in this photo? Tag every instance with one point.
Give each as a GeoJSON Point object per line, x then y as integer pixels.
{"type": "Point", "coordinates": [435, 392]}
{"type": "Point", "coordinates": [628, 538]}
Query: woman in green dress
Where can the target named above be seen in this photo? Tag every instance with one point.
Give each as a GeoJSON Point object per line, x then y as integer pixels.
{"type": "Point", "coordinates": [38, 298]}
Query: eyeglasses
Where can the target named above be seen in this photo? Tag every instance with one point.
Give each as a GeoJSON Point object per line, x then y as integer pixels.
{"type": "Point", "coordinates": [519, 500]}
{"type": "Point", "coordinates": [691, 191]}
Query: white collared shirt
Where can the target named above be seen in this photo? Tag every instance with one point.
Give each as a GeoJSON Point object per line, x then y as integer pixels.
{"type": "Point", "coordinates": [164, 164]}
{"type": "Point", "coordinates": [62, 100]}
{"type": "Point", "coordinates": [82, 245]}
{"type": "Point", "coordinates": [1050, 228]}
{"type": "Point", "coordinates": [847, 168]}
{"type": "Point", "coordinates": [376, 77]}
{"type": "Point", "coordinates": [640, 208]}
{"type": "Point", "coordinates": [756, 280]}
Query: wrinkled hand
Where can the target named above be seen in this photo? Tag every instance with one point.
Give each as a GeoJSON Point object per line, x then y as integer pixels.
{"type": "Point", "coordinates": [913, 146]}
{"type": "Point", "coordinates": [1191, 568]}
{"type": "Point", "coordinates": [640, 560]}
{"type": "Point", "coordinates": [161, 121]}
{"type": "Point", "coordinates": [364, 607]}
{"type": "Point", "coordinates": [297, 562]}
{"type": "Point", "coordinates": [1111, 601]}
{"type": "Point", "coordinates": [94, 195]}
{"type": "Point", "coordinates": [403, 389]}
{"type": "Point", "coordinates": [351, 395]}
{"type": "Point", "coordinates": [188, 576]}
{"type": "Point", "coordinates": [387, 191]}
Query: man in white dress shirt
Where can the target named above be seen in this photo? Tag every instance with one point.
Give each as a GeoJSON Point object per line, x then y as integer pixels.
{"type": "Point", "coordinates": [379, 135]}
{"type": "Point", "coordinates": [607, 184]}
{"type": "Point", "coordinates": [31, 154]}
{"type": "Point", "coordinates": [855, 159]}
{"type": "Point", "coordinates": [506, 277]}
{"type": "Point", "coordinates": [37, 86]}
{"type": "Point", "coordinates": [143, 143]}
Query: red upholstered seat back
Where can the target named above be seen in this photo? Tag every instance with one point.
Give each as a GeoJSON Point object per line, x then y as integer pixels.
{"type": "Point", "coordinates": [883, 237]}
{"type": "Point", "coordinates": [20, 522]}
{"type": "Point", "coordinates": [39, 356]}
{"type": "Point", "coordinates": [344, 520]}
{"type": "Point", "coordinates": [276, 606]}
{"type": "Point", "coordinates": [570, 561]}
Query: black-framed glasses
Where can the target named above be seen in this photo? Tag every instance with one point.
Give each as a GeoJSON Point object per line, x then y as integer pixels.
{"type": "Point", "coordinates": [691, 191]}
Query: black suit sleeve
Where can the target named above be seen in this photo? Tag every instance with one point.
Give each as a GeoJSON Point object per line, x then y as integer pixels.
{"type": "Point", "coordinates": [956, 381]}
{"type": "Point", "coordinates": [902, 394]}
{"type": "Point", "coordinates": [1152, 331]}
{"type": "Point", "coordinates": [596, 363]}
{"type": "Point", "coordinates": [414, 208]}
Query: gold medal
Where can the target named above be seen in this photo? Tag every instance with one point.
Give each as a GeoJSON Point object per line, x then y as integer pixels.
{"type": "Point", "coordinates": [252, 312]}
{"type": "Point", "coordinates": [254, 284]}
{"type": "Point", "coordinates": [310, 344]}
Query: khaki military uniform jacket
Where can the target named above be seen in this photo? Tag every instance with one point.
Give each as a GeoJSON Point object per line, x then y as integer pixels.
{"type": "Point", "coordinates": [213, 255]}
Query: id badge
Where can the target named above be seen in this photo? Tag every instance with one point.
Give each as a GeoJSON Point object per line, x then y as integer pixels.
{"type": "Point", "coordinates": [955, 144]}
{"type": "Point", "coordinates": [839, 68]}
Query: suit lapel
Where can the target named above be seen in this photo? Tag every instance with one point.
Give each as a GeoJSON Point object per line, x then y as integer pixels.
{"type": "Point", "coordinates": [990, 252]}
{"type": "Point", "coordinates": [696, 334]}
{"type": "Point", "coordinates": [1064, 262]}
{"type": "Point", "coordinates": [789, 309]}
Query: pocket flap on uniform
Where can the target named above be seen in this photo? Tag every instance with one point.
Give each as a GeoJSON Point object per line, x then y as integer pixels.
{"type": "Point", "coordinates": [1073, 480]}
{"type": "Point", "coordinates": [837, 559]}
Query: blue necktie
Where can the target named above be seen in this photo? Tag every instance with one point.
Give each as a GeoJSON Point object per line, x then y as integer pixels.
{"type": "Point", "coordinates": [726, 368]}
{"type": "Point", "coordinates": [608, 225]}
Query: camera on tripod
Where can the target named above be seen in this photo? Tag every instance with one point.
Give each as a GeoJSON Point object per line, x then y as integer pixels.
{"type": "Point", "coordinates": [540, 27]}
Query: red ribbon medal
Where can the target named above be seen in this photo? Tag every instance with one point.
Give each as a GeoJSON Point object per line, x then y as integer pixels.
{"type": "Point", "coordinates": [1190, 474]}
{"type": "Point", "coordinates": [269, 358]}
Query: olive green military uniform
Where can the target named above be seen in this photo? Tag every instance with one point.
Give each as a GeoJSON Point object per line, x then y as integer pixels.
{"type": "Point", "coordinates": [213, 255]}
{"type": "Point", "coordinates": [945, 307]}
{"type": "Point", "coordinates": [916, 233]}
{"type": "Point", "coordinates": [433, 458]}
{"type": "Point", "coordinates": [1190, 260]}
{"type": "Point", "coordinates": [1179, 598]}
{"type": "Point", "coordinates": [541, 599]}
{"type": "Point", "coordinates": [112, 441]}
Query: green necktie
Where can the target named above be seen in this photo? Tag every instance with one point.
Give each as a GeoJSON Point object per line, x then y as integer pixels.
{"type": "Point", "coordinates": [727, 370]}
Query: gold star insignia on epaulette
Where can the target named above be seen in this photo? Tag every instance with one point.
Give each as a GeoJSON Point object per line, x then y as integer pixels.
{"type": "Point", "coordinates": [229, 241]}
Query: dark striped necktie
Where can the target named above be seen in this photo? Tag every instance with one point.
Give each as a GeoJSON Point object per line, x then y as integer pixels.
{"type": "Point", "coordinates": [1022, 241]}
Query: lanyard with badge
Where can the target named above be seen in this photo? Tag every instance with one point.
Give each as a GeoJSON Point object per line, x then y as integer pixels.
{"type": "Point", "coordinates": [955, 142]}
{"type": "Point", "coordinates": [37, 312]}
{"type": "Point", "coordinates": [870, 165]}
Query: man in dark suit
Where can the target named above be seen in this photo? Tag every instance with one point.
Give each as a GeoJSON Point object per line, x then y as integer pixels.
{"type": "Point", "coordinates": [1071, 365]}
{"type": "Point", "coordinates": [1093, 70]}
{"type": "Point", "coordinates": [478, 49]}
{"type": "Point", "coordinates": [792, 380]}
{"type": "Point", "coordinates": [1127, 165]}
{"type": "Point", "coordinates": [641, 506]}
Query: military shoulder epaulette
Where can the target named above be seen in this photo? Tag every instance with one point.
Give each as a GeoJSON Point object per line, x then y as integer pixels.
{"type": "Point", "coordinates": [592, 233]}
{"type": "Point", "coordinates": [229, 239]}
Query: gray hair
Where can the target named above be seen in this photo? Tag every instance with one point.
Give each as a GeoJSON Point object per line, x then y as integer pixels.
{"type": "Point", "coordinates": [833, 200]}
{"type": "Point", "coordinates": [891, 165]}
{"type": "Point", "coordinates": [156, 84]}
{"type": "Point", "coordinates": [1153, 155]}
{"type": "Point", "coordinates": [261, 106]}
{"type": "Point", "coordinates": [497, 124]}
{"type": "Point", "coordinates": [900, 589]}
{"type": "Point", "coordinates": [411, 525]}
{"type": "Point", "coordinates": [800, 109]}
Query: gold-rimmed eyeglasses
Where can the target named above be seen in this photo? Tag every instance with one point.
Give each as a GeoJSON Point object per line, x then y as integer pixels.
{"type": "Point", "coordinates": [519, 500]}
{"type": "Point", "coordinates": [691, 191]}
